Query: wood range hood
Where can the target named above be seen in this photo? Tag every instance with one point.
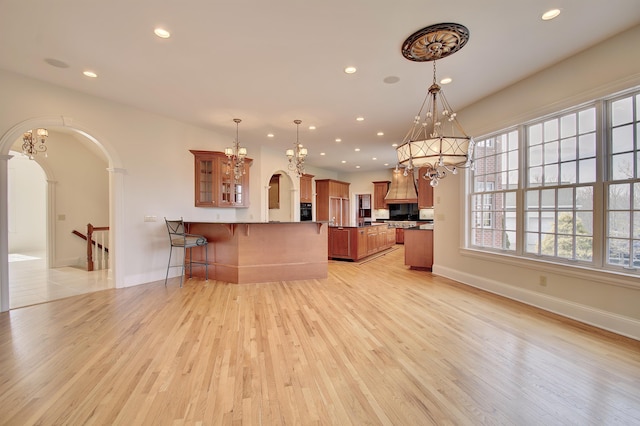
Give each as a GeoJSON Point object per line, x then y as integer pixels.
{"type": "Point", "coordinates": [402, 189]}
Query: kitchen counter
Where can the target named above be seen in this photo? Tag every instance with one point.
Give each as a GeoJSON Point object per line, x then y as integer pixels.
{"type": "Point", "coordinates": [421, 227]}
{"type": "Point", "coordinates": [368, 225]}
{"type": "Point", "coordinates": [356, 242]}
{"type": "Point", "coordinates": [253, 252]}
{"type": "Point", "coordinates": [418, 246]}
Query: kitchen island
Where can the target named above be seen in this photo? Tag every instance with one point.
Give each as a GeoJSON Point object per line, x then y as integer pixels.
{"type": "Point", "coordinates": [357, 242]}
{"type": "Point", "coordinates": [418, 247]}
{"type": "Point", "coordinates": [253, 252]}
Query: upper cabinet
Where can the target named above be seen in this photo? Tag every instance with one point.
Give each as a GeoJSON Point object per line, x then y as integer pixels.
{"type": "Point", "coordinates": [425, 191]}
{"type": "Point", "coordinates": [215, 185]}
{"type": "Point", "coordinates": [380, 189]}
{"type": "Point", "coordinates": [306, 188]}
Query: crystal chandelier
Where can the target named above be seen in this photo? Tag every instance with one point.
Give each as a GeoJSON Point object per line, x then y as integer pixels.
{"type": "Point", "coordinates": [436, 140]}
{"type": "Point", "coordinates": [32, 145]}
{"type": "Point", "coordinates": [297, 155]}
{"type": "Point", "coordinates": [235, 156]}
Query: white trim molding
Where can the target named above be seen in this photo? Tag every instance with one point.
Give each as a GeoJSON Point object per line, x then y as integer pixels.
{"type": "Point", "coordinates": [602, 319]}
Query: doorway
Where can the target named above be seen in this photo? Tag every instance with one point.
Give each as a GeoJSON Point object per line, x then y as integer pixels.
{"type": "Point", "coordinates": [280, 196]}
{"type": "Point", "coordinates": [58, 256]}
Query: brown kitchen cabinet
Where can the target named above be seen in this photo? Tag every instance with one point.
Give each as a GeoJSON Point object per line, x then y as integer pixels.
{"type": "Point", "coordinates": [214, 187]}
{"type": "Point", "coordinates": [332, 202]}
{"type": "Point", "coordinates": [361, 250]}
{"type": "Point", "coordinates": [355, 243]}
{"type": "Point", "coordinates": [400, 236]}
{"type": "Point", "coordinates": [418, 248]}
{"type": "Point", "coordinates": [306, 188]}
{"type": "Point", "coordinates": [425, 191]}
{"type": "Point", "coordinates": [380, 189]}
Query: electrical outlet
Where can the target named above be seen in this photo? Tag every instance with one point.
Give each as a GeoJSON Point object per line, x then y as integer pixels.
{"type": "Point", "coordinates": [543, 280]}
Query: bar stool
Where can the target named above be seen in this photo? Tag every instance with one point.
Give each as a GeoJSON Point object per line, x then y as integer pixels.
{"type": "Point", "coordinates": [179, 238]}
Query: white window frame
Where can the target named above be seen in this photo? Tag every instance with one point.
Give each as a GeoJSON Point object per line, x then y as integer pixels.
{"type": "Point", "coordinates": [599, 210]}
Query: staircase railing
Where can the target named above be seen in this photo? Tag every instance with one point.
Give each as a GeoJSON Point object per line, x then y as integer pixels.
{"type": "Point", "coordinates": [101, 260]}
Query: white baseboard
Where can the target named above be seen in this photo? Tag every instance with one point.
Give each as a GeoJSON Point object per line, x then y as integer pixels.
{"type": "Point", "coordinates": [618, 324]}
{"type": "Point", "coordinates": [71, 261]}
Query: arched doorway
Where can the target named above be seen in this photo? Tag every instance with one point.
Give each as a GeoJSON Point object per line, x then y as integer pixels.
{"type": "Point", "coordinates": [115, 188]}
{"type": "Point", "coordinates": [281, 197]}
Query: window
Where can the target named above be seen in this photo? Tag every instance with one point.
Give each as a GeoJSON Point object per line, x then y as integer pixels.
{"type": "Point", "coordinates": [623, 187]}
{"type": "Point", "coordinates": [493, 199]}
{"type": "Point", "coordinates": [577, 200]}
{"type": "Point", "coordinates": [561, 165]}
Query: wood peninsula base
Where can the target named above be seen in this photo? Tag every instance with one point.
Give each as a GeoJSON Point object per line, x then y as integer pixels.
{"type": "Point", "coordinates": [418, 247]}
{"type": "Point", "coordinates": [257, 252]}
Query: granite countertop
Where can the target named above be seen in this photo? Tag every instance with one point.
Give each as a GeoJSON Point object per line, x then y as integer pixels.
{"type": "Point", "coordinates": [368, 225]}
{"type": "Point", "coordinates": [424, 227]}
{"type": "Point", "coordinates": [275, 222]}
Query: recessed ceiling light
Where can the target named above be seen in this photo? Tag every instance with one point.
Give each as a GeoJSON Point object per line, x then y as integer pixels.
{"type": "Point", "coordinates": [446, 80]}
{"type": "Point", "coordinates": [269, 135]}
{"type": "Point", "coordinates": [350, 70]}
{"type": "Point", "coordinates": [394, 145]}
{"type": "Point", "coordinates": [162, 33]}
{"type": "Point", "coordinates": [322, 153]}
{"type": "Point", "coordinates": [357, 150]}
{"type": "Point", "coordinates": [380, 133]}
{"type": "Point", "coordinates": [312, 127]}
{"type": "Point", "coordinates": [343, 161]}
{"type": "Point", "coordinates": [374, 158]}
{"type": "Point", "coordinates": [90, 74]}
{"type": "Point", "coordinates": [357, 167]}
{"type": "Point", "coordinates": [338, 140]}
{"type": "Point", "coordinates": [386, 164]}
{"type": "Point", "coordinates": [550, 14]}
{"type": "Point", "coordinates": [359, 118]}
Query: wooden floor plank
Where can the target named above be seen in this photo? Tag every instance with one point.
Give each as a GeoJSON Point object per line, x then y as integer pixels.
{"type": "Point", "coordinates": [374, 343]}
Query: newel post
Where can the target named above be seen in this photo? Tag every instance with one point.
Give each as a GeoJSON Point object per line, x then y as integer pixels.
{"type": "Point", "coordinates": [89, 247]}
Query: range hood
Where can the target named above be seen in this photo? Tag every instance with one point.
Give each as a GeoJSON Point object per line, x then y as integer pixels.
{"type": "Point", "coordinates": [402, 189]}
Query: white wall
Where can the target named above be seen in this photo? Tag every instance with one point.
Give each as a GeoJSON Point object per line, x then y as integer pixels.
{"type": "Point", "coordinates": [27, 206]}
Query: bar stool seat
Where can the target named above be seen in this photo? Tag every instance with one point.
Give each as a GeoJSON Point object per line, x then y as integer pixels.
{"type": "Point", "coordinates": [180, 239]}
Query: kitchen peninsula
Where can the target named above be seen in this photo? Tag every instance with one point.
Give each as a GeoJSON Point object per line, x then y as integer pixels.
{"type": "Point", "coordinates": [253, 252]}
{"type": "Point", "coordinates": [418, 247]}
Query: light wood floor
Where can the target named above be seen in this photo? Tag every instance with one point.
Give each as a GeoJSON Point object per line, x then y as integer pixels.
{"type": "Point", "coordinates": [374, 343]}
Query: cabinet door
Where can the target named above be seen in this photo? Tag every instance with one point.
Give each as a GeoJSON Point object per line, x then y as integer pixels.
{"type": "Point", "coordinates": [233, 193]}
{"type": "Point", "coordinates": [206, 188]}
{"type": "Point", "coordinates": [379, 192]}
{"type": "Point", "coordinates": [391, 237]}
{"type": "Point", "coordinates": [306, 191]}
{"type": "Point", "coordinates": [340, 243]}
{"type": "Point", "coordinates": [362, 243]}
{"type": "Point", "coordinates": [372, 240]}
{"type": "Point", "coordinates": [425, 191]}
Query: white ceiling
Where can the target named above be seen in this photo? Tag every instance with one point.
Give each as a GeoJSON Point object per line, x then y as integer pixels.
{"type": "Point", "coordinates": [270, 62]}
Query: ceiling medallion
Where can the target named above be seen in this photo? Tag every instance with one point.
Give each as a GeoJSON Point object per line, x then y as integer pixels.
{"type": "Point", "coordinates": [435, 42]}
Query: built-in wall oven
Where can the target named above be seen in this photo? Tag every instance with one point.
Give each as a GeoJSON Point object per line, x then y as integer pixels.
{"type": "Point", "coordinates": [305, 212]}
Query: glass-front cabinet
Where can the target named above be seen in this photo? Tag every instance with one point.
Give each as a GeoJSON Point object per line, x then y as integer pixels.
{"type": "Point", "coordinates": [215, 184]}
